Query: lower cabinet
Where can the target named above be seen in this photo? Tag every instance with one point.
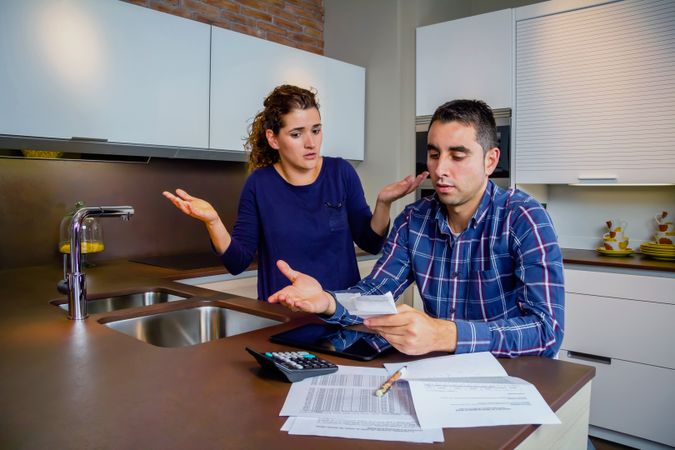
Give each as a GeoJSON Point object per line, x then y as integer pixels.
{"type": "Point", "coordinates": [621, 324]}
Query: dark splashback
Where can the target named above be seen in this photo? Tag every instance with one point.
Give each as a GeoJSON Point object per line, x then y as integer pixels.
{"type": "Point", "coordinates": [35, 194]}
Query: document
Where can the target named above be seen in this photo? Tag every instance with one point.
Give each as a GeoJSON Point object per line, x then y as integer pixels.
{"type": "Point", "coordinates": [474, 402]}
{"type": "Point", "coordinates": [367, 305]}
{"type": "Point", "coordinates": [381, 430]}
{"type": "Point", "coordinates": [482, 364]}
{"type": "Point", "coordinates": [344, 404]}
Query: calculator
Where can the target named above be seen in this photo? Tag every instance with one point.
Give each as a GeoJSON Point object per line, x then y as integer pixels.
{"type": "Point", "coordinates": [294, 366]}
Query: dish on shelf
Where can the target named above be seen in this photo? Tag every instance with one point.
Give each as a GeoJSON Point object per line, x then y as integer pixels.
{"type": "Point", "coordinates": [605, 252]}
{"type": "Point", "coordinates": [663, 252]}
{"type": "Point", "coordinates": [661, 258]}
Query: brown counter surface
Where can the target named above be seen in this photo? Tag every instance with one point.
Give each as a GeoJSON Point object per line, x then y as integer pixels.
{"type": "Point", "coordinates": [634, 261]}
{"type": "Point", "coordinates": [77, 384]}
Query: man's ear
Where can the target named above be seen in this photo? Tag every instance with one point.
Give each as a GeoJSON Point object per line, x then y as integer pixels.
{"type": "Point", "coordinates": [491, 160]}
{"type": "Point", "coordinates": [272, 139]}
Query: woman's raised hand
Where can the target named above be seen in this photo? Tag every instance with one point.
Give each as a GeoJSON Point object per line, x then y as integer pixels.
{"type": "Point", "coordinates": [394, 191]}
{"type": "Point", "coordinates": [193, 206]}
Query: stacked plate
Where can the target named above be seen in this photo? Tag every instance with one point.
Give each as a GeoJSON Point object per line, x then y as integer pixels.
{"type": "Point", "coordinates": [664, 252]}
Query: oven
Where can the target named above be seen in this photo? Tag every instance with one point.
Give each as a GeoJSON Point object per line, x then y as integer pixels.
{"type": "Point", "coordinates": [501, 175]}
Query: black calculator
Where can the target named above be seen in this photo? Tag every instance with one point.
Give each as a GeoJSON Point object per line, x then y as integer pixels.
{"type": "Point", "coordinates": [294, 366]}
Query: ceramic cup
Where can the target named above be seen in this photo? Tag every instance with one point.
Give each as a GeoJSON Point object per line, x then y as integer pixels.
{"type": "Point", "coordinates": [613, 244]}
{"type": "Point", "coordinates": [665, 238]}
{"type": "Point", "coordinates": [616, 229]}
{"type": "Point", "coordinates": [665, 227]}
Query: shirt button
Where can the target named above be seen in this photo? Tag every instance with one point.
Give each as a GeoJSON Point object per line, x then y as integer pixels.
{"type": "Point", "coordinates": [454, 275]}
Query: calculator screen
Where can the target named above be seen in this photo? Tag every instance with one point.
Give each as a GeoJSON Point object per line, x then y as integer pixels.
{"type": "Point", "coordinates": [334, 339]}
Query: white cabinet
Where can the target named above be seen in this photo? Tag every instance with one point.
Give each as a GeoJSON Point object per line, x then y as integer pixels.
{"type": "Point", "coordinates": [244, 70]}
{"type": "Point", "coordinates": [622, 324]}
{"type": "Point", "coordinates": [104, 70]}
{"type": "Point", "coordinates": [465, 58]}
{"type": "Point", "coordinates": [594, 96]}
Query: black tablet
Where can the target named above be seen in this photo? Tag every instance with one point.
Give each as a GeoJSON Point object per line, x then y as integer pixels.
{"type": "Point", "coordinates": [336, 340]}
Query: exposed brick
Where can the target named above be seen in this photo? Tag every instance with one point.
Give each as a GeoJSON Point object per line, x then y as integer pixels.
{"type": "Point", "coordinates": [238, 18]}
{"type": "Point", "coordinates": [227, 5]}
{"type": "Point", "coordinates": [310, 23]}
{"type": "Point", "coordinates": [263, 16]}
{"type": "Point", "coordinates": [296, 23]}
{"type": "Point", "coordinates": [260, 5]}
{"type": "Point", "coordinates": [300, 11]}
{"type": "Point", "coordinates": [288, 25]}
{"type": "Point", "coordinates": [201, 9]}
{"type": "Point", "coordinates": [273, 29]}
{"type": "Point", "coordinates": [281, 39]}
{"type": "Point", "coordinates": [171, 10]}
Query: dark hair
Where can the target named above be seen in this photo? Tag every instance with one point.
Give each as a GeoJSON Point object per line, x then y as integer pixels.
{"type": "Point", "coordinates": [282, 100]}
{"type": "Point", "coordinates": [475, 113]}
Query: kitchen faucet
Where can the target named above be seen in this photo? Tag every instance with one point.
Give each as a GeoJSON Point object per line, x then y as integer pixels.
{"type": "Point", "coordinates": [75, 281]}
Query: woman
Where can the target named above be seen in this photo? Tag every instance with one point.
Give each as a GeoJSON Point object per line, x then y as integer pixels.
{"type": "Point", "coordinates": [297, 205]}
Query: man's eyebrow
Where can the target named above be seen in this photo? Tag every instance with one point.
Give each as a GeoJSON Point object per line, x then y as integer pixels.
{"type": "Point", "coordinates": [459, 148]}
{"type": "Point", "coordinates": [432, 147]}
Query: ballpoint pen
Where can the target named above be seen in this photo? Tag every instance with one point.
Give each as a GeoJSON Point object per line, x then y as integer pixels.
{"type": "Point", "coordinates": [387, 384]}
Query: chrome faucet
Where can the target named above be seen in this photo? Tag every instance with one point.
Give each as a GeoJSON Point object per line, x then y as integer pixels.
{"type": "Point", "coordinates": [76, 280]}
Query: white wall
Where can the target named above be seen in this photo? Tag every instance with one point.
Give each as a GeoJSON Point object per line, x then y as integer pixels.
{"type": "Point", "coordinates": [579, 213]}
{"type": "Point", "coordinates": [380, 36]}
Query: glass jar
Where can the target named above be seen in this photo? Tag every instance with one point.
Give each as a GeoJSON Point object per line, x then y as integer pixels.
{"type": "Point", "coordinates": [91, 237]}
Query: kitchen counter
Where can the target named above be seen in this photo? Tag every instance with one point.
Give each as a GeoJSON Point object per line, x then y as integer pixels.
{"type": "Point", "coordinates": [634, 261]}
{"type": "Point", "coordinates": [78, 384]}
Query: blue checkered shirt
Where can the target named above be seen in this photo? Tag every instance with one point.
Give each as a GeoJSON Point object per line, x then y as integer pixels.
{"type": "Point", "coordinates": [500, 280]}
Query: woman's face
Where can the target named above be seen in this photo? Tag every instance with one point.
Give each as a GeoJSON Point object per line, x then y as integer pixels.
{"type": "Point", "coordinates": [299, 140]}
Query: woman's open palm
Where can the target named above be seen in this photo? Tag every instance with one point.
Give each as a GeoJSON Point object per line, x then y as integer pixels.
{"type": "Point", "coordinates": [192, 206]}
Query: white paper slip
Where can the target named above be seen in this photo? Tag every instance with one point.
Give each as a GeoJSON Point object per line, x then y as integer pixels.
{"type": "Point", "coordinates": [380, 430]}
{"type": "Point", "coordinates": [367, 305]}
{"type": "Point", "coordinates": [482, 364]}
{"type": "Point", "coordinates": [461, 403]}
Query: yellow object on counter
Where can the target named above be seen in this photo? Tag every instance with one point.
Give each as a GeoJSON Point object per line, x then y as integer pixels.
{"type": "Point", "coordinates": [86, 247]}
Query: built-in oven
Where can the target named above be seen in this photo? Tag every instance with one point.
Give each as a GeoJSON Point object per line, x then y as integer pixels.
{"type": "Point", "coordinates": [501, 175]}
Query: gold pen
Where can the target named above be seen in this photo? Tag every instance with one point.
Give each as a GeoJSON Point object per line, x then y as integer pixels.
{"type": "Point", "coordinates": [387, 384]}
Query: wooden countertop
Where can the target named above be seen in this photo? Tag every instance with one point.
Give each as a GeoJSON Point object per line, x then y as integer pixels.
{"type": "Point", "coordinates": [79, 384]}
{"type": "Point", "coordinates": [634, 261]}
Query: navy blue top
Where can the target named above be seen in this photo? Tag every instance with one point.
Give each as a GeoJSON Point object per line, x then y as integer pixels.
{"type": "Point", "coordinates": [312, 227]}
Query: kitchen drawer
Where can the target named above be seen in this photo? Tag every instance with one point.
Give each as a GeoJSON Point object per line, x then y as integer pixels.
{"type": "Point", "coordinates": [621, 285]}
{"type": "Point", "coordinates": [632, 398]}
{"type": "Point", "coordinates": [632, 330]}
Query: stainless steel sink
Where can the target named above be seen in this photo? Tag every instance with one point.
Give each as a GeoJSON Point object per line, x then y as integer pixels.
{"type": "Point", "coordinates": [189, 326]}
{"type": "Point", "coordinates": [133, 300]}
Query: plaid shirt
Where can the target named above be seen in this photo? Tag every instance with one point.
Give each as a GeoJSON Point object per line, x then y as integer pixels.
{"type": "Point", "coordinates": [500, 280]}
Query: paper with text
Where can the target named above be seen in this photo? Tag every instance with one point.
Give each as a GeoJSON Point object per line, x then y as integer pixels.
{"type": "Point", "coordinates": [475, 402]}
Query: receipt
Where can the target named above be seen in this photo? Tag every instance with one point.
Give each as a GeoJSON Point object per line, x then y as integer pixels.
{"type": "Point", "coordinates": [367, 305]}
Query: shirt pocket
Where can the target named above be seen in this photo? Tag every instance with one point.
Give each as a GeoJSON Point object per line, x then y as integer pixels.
{"type": "Point", "coordinates": [485, 299]}
{"type": "Point", "coordinates": [337, 215]}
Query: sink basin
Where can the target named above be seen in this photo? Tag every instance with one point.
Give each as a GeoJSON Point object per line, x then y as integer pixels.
{"type": "Point", "coordinates": [133, 300]}
{"type": "Point", "coordinates": [189, 326]}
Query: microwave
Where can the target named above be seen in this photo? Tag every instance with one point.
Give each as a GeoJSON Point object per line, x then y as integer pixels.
{"type": "Point", "coordinates": [501, 175]}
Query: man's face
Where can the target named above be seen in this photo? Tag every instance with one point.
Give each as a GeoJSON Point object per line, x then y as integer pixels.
{"type": "Point", "coordinates": [457, 166]}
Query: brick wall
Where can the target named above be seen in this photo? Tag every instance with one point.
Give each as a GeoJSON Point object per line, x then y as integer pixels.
{"type": "Point", "coordinates": [296, 23]}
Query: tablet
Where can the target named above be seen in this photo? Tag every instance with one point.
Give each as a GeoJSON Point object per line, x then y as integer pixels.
{"type": "Point", "coordinates": [336, 340]}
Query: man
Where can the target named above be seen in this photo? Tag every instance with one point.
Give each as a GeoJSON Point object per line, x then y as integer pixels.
{"type": "Point", "coordinates": [486, 261]}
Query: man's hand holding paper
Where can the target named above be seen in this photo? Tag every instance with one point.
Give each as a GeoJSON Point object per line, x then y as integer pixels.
{"type": "Point", "coordinates": [413, 332]}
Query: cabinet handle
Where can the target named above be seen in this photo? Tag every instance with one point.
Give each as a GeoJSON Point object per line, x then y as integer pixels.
{"type": "Point", "coordinates": [88, 139]}
{"type": "Point", "coordinates": [589, 357]}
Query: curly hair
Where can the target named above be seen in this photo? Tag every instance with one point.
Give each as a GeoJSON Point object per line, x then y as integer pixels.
{"type": "Point", "coordinates": [282, 100]}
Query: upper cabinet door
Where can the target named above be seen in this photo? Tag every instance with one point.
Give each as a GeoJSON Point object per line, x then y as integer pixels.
{"type": "Point", "coordinates": [465, 58]}
{"type": "Point", "coordinates": [595, 93]}
{"type": "Point", "coordinates": [244, 70]}
{"type": "Point", "coordinates": [105, 70]}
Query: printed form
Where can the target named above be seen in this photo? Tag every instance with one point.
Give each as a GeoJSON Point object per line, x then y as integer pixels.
{"type": "Point", "coordinates": [343, 404]}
